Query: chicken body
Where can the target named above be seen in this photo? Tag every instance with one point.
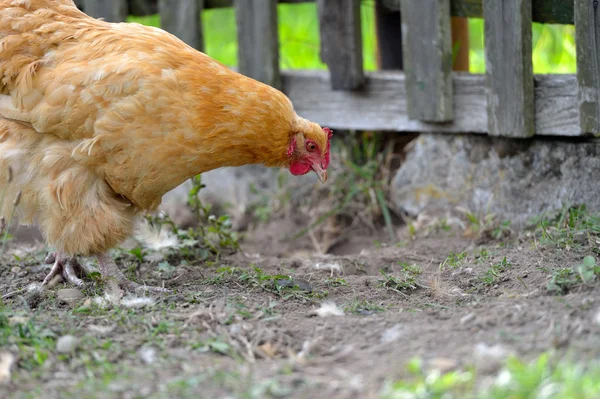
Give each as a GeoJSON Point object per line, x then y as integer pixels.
{"type": "Point", "coordinates": [98, 121]}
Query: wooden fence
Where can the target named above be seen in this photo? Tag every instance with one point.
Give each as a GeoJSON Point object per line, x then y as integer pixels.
{"type": "Point", "coordinates": [427, 96]}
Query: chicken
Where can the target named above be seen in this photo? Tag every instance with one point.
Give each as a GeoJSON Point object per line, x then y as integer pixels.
{"type": "Point", "coordinates": [99, 120]}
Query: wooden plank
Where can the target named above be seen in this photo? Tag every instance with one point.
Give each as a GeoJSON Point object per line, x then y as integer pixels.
{"type": "Point", "coordinates": [110, 10]}
{"type": "Point", "coordinates": [341, 42]}
{"type": "Point", "coordinates": [544, 11]}
{"type": "Point", "coordinates": [182, 18]}
{"type": "Point", "coordinates": [509, 68]}
{"type": "Point", "coordinates": [427, 50]}
{"type": "Point", "coordinates": [587, 39]}
{"type": "Point", "coordinates": [381, 105]}
{"type": "Point", "coordinates": [143, 7]}
{"type": "Point", "coordinates": [258, 41]}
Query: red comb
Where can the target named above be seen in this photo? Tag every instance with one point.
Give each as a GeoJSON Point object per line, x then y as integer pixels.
{"type": "Point", "coordinates": [329, 135]}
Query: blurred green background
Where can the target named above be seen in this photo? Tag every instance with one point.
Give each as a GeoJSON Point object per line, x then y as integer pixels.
{"type": "Point", "coordinates": [553, 45]}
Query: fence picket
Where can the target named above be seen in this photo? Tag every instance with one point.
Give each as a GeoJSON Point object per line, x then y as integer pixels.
{"type": "Point", "coordinates": [509, 68]}
{"type": "Point", "coordinates": [427, 48]}
{"type": "Point", "coordinates": [258, 41]}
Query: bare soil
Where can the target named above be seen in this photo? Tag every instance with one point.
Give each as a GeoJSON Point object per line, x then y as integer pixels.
{"type": "Point", "coordinates": [228, 330]}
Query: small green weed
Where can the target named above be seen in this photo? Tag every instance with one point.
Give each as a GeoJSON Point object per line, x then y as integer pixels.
{"type": "Point", "coordinates": [406, 282]}
{"type": "Point", "coordinates": [568, 278]}
{"type": "Point", "coordinates": [282, 285]}
{"type": "Point", "coordinates": [454, 260]}
{"type": "Point", "coordinates": [492, 275]}
{"type": "Point", "coordinates": [34, 342]}
{"type": "Point", "coordinates": [335, 282]}
{"type": "Point", "coordinates": [518, 380]}
{"type": "Point", "coordinates": [572, 228]}
{"type": "Point", "coordinates": [212, 235]}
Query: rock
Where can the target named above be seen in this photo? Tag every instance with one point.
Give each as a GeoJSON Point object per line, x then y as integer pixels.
{"type": "Point", "coordinates": [147, 354]}
{"type": "Point", "coordinates": [490, 358]}
{"type": "Point", "coordinates": [69, 295]}
{"type": "Point", "coordinates": [516, 179]}
{"type": "Point", "coordinates": [443, 364]}
{"type": "Point", "coordinates": [467, 318]}
{"type": "Point", "coordinates": [233, 189]}
{"type": "Point", "coordinates": [392, 334]}
{"type": "Point", "coordinates": [66, 344]}
{"type": "Point", "coordinates": [302, 285]}
{"type": "Point", "coordinates": [7, 360]}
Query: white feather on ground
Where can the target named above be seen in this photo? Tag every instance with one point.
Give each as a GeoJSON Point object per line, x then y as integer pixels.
{"type": "Point", "coordinates": [155, 238]}
{"type": "Point", "coordinates": [328, 309]}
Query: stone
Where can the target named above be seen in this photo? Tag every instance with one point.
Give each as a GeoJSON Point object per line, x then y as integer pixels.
{"type": "Point", "coordinates": [232, 189]}
{"type": "Point", "coordinates": [70, 295]}
{"type": "Point", "coordinates": [66, 344]}
{"type": "Point", "coordinates": [515, 179]}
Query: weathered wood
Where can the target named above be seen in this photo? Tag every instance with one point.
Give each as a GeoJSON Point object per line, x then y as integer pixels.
{"type": "Point", "coordinates": [341, 42]}
{"type": "Point", "coordinates": [182, 18]}
{"type": "Point", "coordinates": [427, 49]}
{"type": "Point", "coordinates": [509, 68]}
{"type": "Point", "coordinates": [544, 11]}
{"type": "Point", "coordinates": [110, 10]}
{"type": "Point", "coordinates": [389, 31]}
{"type": "Point", "coordinates": [258, 41]}
{"type": "Point", "coordinates": [143, 7]}
{"type": "Point", "coordinates": [381, 105]}
{"type": "Point", "coordinates": [587, 39]}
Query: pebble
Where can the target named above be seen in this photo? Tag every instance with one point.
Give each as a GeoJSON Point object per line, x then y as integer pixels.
{"type": "Point", "coordinates": [467, 318]}
{"type": "Point", "coordinates": [147, 354]}
{"type": "Point", "coordinates": [70, 295]}
{"type": "Point", "coordinates": [287, 283]}
{"type": "Point", "coordinates": [66, 344]}
{"type": "Point", "coordinates": [443, 364]}
{"type": "Point", "coordinates": [392, 334]}
{"type": "Point", "coordinates": [7, 361]}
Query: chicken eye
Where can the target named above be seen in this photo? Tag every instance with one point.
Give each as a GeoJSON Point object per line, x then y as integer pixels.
{"type": "Point", "coordinates": [311, 147]}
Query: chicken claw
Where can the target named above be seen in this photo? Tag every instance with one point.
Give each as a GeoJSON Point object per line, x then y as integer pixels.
{"type": "Point", "coordinates": [108, 268]}
{"type": "Point", "coordinates": [68, 268]}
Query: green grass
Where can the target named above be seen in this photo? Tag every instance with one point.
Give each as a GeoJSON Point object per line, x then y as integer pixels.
{"type": "Point", "coordinates": [569, 278]}
{"type": "Point", "coordinates": [540, 378]}
{"type": "Point", "coordinates": [493, 274]}
{"type": "Point", "coordinates": [553, 45]}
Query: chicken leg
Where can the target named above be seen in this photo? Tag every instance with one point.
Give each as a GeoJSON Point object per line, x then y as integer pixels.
{"type": "Point", "coordinates": [68, 268]}
{"type": "Point", "coordinates": [71, 271]}
{"type": "Point", "coordinates": [109, 269]}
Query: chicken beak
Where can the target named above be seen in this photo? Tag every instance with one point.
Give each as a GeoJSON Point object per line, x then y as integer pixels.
{"type": "Point", "coordinates": [321, 173]}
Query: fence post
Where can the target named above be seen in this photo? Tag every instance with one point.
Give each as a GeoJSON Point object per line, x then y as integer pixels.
{"type": "Point", "coordinates": [341, 42]}
{"type": "Point", "coordinates": [183, 19]}
{"type": "Point", "coordinates": [110, 10]}
{"type": "Point", "coordinates": [509, 68]}
{"type": "Point", "coordinates": [426, 42]}
{"type": "Point", "coordinates": [587, 40]}
{"type": "Point", "coordinates": [258, 40]}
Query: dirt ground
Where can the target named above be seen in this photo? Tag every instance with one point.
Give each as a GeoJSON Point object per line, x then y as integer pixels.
{"type": "Point", "coordinates": [256, 326]}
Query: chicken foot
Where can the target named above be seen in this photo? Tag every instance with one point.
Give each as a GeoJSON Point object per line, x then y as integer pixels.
{"type": "Point", "coordinates": [109, 269]}
{"type": "Point", "coordinates": [68, 268]}
{"type": "Point", "coordinates": [71, 271]}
